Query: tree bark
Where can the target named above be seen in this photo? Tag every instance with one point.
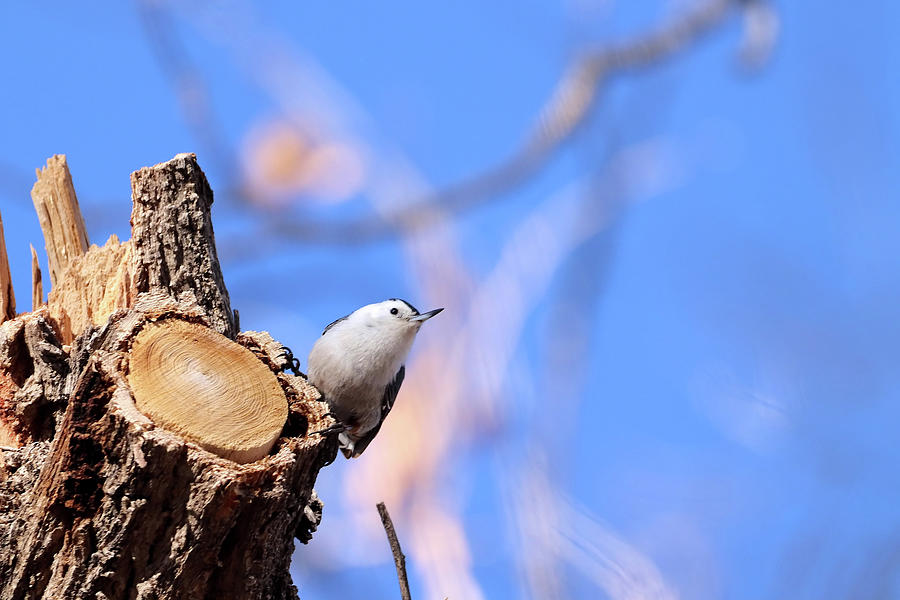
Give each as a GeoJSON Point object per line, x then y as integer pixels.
{"type": "Point", "coordinates": [97, 500]}
{"type": "Point", "coordinates": [173, 237]}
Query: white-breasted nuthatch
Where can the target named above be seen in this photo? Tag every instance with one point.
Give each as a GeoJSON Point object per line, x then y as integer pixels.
{"type": "Point", "coordinates": [358, 367]}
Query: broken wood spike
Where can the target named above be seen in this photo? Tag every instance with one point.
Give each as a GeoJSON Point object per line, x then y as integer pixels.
{"type": "Point", "coordinates": [37, 284]}
{"type": "Point", "coordinates": [214, 392]}
{"type": "Point", "coordinates": [7, 297]}
{"type": "Point", "coordinates": [60, 217]}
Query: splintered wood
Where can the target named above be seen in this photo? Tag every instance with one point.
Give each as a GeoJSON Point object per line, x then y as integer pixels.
{"type": "Point", "coordinates": [7, 298]}
{"type": "Point", "coordinates": [37, 282]}
{"type": "Point", "coordinates": [208, 389]}
{"type": "Point", "coordinates": [93, 286]}
{"type": "Point", "coordinates": [58, 213]}
{"type": "Point", "coordinates": [87, 284]}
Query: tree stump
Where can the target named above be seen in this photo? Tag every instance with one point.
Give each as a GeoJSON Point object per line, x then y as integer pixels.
{"type": "Point", "coordinates": [150, 449]}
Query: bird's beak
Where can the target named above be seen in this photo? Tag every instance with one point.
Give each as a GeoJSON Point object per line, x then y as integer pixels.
{"type": "Point", "coordinates": [426, 316]}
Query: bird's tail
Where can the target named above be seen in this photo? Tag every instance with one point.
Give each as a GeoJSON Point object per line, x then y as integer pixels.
{"type": "Point", "coordinates": [347, 445]}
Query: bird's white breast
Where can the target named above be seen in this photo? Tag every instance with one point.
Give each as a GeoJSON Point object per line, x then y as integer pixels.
{"type": "Point", "coordinates": [353, 362]}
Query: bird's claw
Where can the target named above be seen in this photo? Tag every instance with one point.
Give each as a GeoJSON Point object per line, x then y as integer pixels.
{"type": "Point", "coordinates": [291, 363]}
{"type": "Point", "coordinates": [336, 428]}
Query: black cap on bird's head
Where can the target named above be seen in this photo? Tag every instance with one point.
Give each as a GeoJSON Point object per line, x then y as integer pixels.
{"type": "Point", "coordinates": [415, 314]}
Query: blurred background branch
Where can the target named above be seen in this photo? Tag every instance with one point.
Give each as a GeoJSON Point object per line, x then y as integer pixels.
{"type": "Point", "coordinates": [568, 106]}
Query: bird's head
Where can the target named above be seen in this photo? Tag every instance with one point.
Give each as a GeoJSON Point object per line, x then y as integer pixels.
{"type": "Point", "coordinates": [395, 314]}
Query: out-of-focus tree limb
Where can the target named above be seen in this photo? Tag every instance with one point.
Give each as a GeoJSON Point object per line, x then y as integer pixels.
{"type": "Point", "coordinates": [567, 107]}
{"type": "Point", "coordinates": [565, 110]}
{"type": "Point", "coordinates": [186, 78]}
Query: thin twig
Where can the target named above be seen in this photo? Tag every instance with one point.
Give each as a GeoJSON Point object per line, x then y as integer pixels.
{"type": "Point", "coordinates": [566, 109]}
{"type": "Point", "coordinates": [399, 559]}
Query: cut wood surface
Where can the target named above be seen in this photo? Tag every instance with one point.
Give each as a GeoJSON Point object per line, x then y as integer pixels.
{"type": "Point", "coordinates": [208, 389]}
{"type": "Point", "coordinates": [59, 215]}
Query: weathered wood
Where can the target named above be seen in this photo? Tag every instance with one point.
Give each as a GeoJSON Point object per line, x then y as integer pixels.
{"type": "Point", "coordinates": [7, 297]}
{"type": "Point", "coordinates": [60, 217]}
{"type": "Point", "coordinates": [173, 237]}
{"type": "Point", "coordinates": [33, 369]}
{"type": "Point", "coordinates": [37, 284]}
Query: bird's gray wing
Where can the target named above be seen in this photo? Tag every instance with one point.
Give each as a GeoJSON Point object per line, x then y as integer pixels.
{"type": "Point", "coordinates": [387, 403]}
{"type": "Point", "coordinates": [333, 323]}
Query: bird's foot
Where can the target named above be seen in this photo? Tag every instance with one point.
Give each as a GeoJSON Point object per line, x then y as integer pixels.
{"type": "Point", "coordinates": [291, 363]}
{"type": "Point", "coordinates": [337, 427]}
{"type": "Point", "coordinates": [346, 444]}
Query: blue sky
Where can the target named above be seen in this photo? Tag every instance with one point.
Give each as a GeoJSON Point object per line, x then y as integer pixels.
{"type": "Point", "coordinates": [731, 413]}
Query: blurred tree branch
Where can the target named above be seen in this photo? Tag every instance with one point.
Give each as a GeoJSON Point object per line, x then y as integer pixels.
{"type": "Point", "coordinates": [187, 80]}
{"type": "Point", "coordinates": [567, 108]}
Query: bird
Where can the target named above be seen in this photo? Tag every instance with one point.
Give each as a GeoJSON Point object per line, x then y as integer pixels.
{"type": "Point", "coordinates": [358, 365]}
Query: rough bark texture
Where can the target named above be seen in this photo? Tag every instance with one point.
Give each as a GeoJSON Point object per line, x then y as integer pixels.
{"type": "Point", "coordinates": [33, 369]}
{"type": "Point", "coordinates": [174, 243]}
{"type": "Point", "coordinates": [98, 502]}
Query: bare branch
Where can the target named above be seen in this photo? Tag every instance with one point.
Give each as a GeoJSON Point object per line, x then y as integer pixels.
{"type": "Point", "coordinates": [399, 558]}
{"type": "Point", "coordinates": [192, 93]}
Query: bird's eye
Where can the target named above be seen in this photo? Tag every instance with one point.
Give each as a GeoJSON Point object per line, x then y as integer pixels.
{"type": "Point", "coordinates": [394, 311]}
